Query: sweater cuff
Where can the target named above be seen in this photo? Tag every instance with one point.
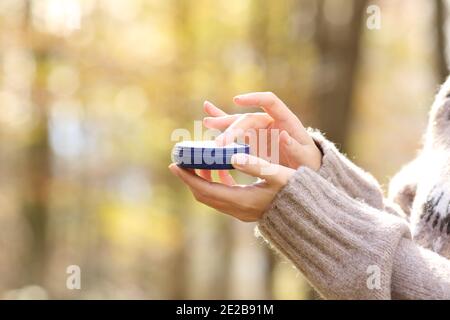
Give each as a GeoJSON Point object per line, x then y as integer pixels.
{"type": "Point", "coordinates": [345, 175]}
{"type": "Point", "coordinates": [335, 241]}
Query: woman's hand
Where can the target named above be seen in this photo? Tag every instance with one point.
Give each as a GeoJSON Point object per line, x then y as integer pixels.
{"type": "Point", "coordinates": [296, 147]}
{"type": "Point", "coordinates": [245, 202]}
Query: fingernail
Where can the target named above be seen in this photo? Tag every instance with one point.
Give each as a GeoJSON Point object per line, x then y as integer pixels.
{"type": "Point", "coordinates": [239, 159]}
{"type": "Point", "coordinates": [289, 141]}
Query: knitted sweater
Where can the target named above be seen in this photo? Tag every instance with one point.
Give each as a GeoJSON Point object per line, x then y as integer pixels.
{"type": "Point", "coordinates": [350, 243]}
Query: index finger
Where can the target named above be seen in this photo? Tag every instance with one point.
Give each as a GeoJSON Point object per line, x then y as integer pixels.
{"type": "Point", "coordinates": [266, 100]}
{"type": "Point", "coordinates": [276, 108]}
{"type": "Point", "coordinates": [213, 110]}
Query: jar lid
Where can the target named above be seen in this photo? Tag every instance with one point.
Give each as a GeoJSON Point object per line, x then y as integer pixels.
{"type": "Point", "coordinates": [206, 154]}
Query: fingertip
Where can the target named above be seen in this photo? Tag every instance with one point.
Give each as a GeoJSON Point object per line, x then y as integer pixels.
{"type": "Point", "coordinates": [206, 120]}
{"type": "Point", "coordinates": [173, 168]}
{"type": "Point", "coordinates": [206, 105]}
{"type": "Point", "coordinates": [239, 98]}
{"type": "Point", "coordinates": [285, 138]}
{"type": "Point", "coordinates": [239, 160]}
{"type": "Point", "coordinates": [220, 140]}
{"type": "Point", "coordinates": [233, 159]}
{"type": "Point", "coordinates": [209, 122]}
{"type": "Point", "coordinates": [246, 99]}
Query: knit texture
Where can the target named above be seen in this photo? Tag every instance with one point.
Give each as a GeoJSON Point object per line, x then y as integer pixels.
{"type": "Point", "coordinates": [419, 273]}
{"type": "Point", "coordinates": [422, 188]}
{"type": "Point", "coordinates": [333, 239]}
{"type": "Point", "coordinates": [337, 229]}
{"type": "Point", "coordinates": [345, 175]}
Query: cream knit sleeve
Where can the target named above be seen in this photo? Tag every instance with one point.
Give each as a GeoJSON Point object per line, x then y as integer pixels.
{"type": "Point", "coordinates": [419, 273]}
{"type": "Point", "coordinates": [340, 244]}
{"type": "Point", "coordinates": [345, 175]}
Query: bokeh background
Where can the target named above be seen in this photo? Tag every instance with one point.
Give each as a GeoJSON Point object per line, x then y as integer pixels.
{"type": "Point", "coordinates": [91, 90]}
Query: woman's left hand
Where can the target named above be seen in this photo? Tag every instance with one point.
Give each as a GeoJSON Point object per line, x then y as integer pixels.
{"type": "Point", "coordinates": [244, 202]}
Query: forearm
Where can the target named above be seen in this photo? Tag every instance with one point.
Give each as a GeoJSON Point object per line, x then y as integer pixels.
{"type": "Point", "coordinates": [333, 239]}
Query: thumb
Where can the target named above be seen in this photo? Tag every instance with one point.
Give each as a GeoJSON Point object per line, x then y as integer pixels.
{"type": "Point", "coordinates": [257, 167]}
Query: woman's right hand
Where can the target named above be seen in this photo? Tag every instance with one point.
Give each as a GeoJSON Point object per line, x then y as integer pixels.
{"type": "Point", "coordinates": [296, 147]}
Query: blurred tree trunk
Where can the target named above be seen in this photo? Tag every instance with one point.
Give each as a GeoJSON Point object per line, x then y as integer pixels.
{"type": "Point", "coordinates": [37, 172]}
{"type": "Point", "coordinates": [440, 20]}
{"type": "Point", "coordinates": [338, 48]}
{"type": "Point", "coordinates": [36, 201]}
